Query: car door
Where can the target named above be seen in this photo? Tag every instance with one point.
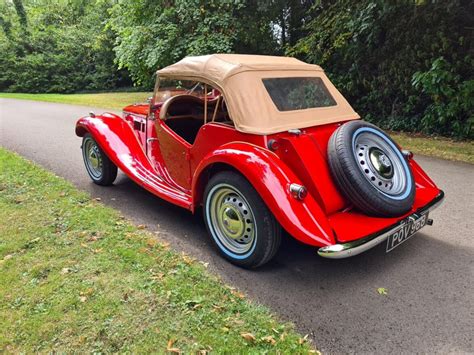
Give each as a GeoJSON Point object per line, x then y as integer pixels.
{"type": "Point", "coordinates": [175, 156]}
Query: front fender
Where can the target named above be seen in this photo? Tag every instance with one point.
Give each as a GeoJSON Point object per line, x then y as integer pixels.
{"type": "Point", "coordinates": [117, 139]}
{"type": "Point", "coordinates": [304, 219]}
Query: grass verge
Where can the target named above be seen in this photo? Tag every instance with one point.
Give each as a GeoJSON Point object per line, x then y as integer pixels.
{"type": "Point", "coordinates": [108, 100]}
{"type": "Point", "coordinates": [432, 146]}
{"type": "Point", "coordinates": [77, 277]}
{"type": "Point", "coordinates": [436, 147]}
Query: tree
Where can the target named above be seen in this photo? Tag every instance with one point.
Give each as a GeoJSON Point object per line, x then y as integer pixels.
{"type": "Point", "coordinates": [57, 46]}
{"type": "Point", "coordinates": [153, 34]}
{"type": "Point", "coordinates": [373, 48]}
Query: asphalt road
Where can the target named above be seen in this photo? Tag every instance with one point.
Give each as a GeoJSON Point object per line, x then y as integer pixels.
{"type": "Point", "coordinates": [429, 307]}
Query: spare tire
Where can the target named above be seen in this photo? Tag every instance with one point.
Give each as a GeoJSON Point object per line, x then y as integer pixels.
{"type": "Point", "coordinates": [370, 170]}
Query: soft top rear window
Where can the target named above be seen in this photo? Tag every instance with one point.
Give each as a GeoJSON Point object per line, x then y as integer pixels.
{"type": "Point", "coordinates": [299, 93]}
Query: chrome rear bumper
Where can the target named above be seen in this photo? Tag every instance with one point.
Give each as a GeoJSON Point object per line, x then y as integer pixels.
{"type": "Point", "coordinates": [345, 250]}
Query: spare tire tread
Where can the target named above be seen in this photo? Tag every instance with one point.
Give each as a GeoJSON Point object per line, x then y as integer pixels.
{"type": "Point", "coordinates": [351, 180]}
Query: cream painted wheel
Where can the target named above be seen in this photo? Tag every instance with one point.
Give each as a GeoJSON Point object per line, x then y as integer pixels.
{"type": "Point", "coordinates": [98, 165]}
{"type": "Point", "coordinates": [241, 226]}
{"type": "Point", "coordinates": [93, 158]}
{"type": "Point", "coordinates": [232, 219]}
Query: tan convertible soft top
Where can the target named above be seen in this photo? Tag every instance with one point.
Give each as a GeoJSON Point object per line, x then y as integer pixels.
{"type": "Point", "coordinates": [240, 78]}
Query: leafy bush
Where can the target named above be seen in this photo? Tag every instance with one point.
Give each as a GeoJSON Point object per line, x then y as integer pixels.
{"type": "Point", "coordinates": [403, 64]}
{"type": "Point", "coordinates": [451, 107]}
{"type": "Point", "coordinates": [151, 35]}
{"type": "Point", "coordinates": [61, 47]}
{"type": "Point", "coordinates": [372, 49]}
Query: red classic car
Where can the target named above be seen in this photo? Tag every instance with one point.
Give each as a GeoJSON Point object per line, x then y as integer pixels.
{"type": "Point", "coordinates": [263, 144]}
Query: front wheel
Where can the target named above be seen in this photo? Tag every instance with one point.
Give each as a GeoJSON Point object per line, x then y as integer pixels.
{"type": "Point", "coordinates": [242, 227]}
{"type": "Point", "coordinates": [98, 165]}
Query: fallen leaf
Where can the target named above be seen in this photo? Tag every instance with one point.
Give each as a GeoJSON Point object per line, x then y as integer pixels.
{"type": "Point", "coordinates": [87, 292]}
{"type": "Point", "coordinates": [237, 294]}
{"type": "Point", "coordinates": [7, 257]}
{"type": "Point", "coordinates": [238, 322]}
{"type": "Point", "coordinates": [303, 339]}
{"type": "Point", "coordinates": [157, 276]}
{"type": "Point", "coordinates": [62, 194]}
{"type": "Point", "coordinates": [151, 243]}
{"type": "Point", "coordinates": [188, 260]}
{"type": "Point", "coordinates": [248, 336]}
{"type": "Point", "coordinates": [141, 226]}
{"type": "Point", "coordinates": [269, 339]}
{"type": "Point", "coordinates": [382, 291]}
{"type": "Point", "coordinates": [174, 350]}
{"type": "Point", "coordinates": [170, 343]}
{"type": "Point", "coordinates": [217, 308]}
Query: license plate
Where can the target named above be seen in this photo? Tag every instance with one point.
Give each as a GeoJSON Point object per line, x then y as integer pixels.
{"type": "Point", "coordinates": [407, 230]}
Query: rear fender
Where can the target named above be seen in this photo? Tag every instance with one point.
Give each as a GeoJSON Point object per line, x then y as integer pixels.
{"type": "Point", "coordinates": [271, 178]}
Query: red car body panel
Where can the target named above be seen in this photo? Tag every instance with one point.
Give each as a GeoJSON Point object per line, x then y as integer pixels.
{"type": "Point", "coordinates": [119, 142]}
{"type": "Point", "coordinates": [162, 162]}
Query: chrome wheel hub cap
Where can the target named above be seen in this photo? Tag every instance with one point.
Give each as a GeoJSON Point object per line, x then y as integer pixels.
{"type": "Point", "coordinates": [92, 158]}
{"type": "Point", "coordinates": [232, 219]}
{"type": "Point", "coordinates": [380, 164]}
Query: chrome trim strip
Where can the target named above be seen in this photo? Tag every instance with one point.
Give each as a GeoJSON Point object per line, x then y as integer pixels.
{"type": "Point", "coordinates": [345, 250]}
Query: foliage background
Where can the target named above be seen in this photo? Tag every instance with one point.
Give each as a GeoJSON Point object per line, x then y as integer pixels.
{"type": "Point", "coordinates": [403, 64]}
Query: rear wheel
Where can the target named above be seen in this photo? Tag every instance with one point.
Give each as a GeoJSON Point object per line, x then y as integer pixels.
{"type": "Point", "coordinates": [98, 165]}
{"type": "Point", "coordinates": [242, 227]}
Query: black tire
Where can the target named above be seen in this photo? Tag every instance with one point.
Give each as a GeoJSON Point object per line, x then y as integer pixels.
{"type": "Point", "coordinates": [261, 233]}
{"type": "Point", "coordinates": [382, 186]}
{"type": "Point", "coordinates": [106, 172]}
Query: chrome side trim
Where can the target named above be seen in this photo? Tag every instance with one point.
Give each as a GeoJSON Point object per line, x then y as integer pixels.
{"type": "Point", "coordinates": [345, 250]}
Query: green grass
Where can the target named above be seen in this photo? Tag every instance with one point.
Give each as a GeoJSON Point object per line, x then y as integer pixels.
{"type": "Point", "coordinates": [77, 277]}
{"type": "Point", "coordinates": [432, 146]}
{"type": "Point", "coordinates": [436, 147]}
{"type": "Point", "coordinates": [109, 100]}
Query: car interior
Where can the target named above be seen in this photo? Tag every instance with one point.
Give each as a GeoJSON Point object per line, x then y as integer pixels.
{"type": "Point", "coordinates": [184, 114]}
